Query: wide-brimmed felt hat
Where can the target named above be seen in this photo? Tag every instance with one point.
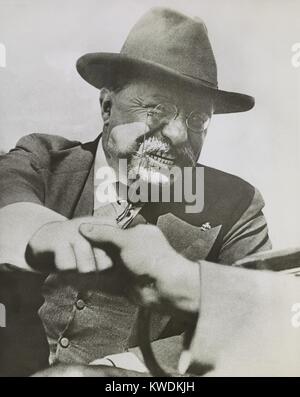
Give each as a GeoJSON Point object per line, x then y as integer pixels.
{"type": "Point", "coordinates": [169, 45]}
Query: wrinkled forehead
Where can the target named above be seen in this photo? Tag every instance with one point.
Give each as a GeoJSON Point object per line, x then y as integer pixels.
{"type": "Point", "coordinates": [156, 90]}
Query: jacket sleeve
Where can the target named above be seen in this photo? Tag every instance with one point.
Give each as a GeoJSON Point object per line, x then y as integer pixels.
{"type": "Point", "coordinates": [20, 173]}
{"type": "Point", "coordinates": [22, 209]}
{"type": "Point", "coordinates": [248, 235]}
{"type": "Point", "coordinates": [248, 323]}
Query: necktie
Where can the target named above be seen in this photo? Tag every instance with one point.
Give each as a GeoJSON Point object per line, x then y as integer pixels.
{"type": "Point", "coordinates": [119, 210]}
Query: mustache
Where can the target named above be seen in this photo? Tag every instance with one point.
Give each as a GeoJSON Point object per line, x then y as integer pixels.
{"type": "Point", "coordinates": [182, 154]}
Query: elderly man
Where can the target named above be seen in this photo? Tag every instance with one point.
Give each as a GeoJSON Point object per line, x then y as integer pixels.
{"type": "Point", "coordinates": [157, 97]}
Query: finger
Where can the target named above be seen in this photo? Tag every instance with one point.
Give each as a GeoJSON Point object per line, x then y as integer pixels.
{"type": "Point", "coordinates": [145, 296]}
{"type": "Point", "coordinates": [64, 258]}
{"type": "Point", "coordinates": [85, 259]}
{"type": "Point", "coordinates": [103, 261]}
{"type": "Point", "coordinates": [98, 220]}
{"type": "Point", "coordinates": [99, 234]}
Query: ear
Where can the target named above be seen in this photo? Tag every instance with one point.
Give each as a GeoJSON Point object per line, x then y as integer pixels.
{"type": "Point", "coordinates": [105, 104]}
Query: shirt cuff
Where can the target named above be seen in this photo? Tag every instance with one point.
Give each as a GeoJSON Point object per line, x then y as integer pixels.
{"type": "Point", "coordinates": [18, 222]}
{"type": "Point", "coordinates": [244, 326]}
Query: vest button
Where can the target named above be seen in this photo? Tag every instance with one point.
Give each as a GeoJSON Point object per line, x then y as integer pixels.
{"type": "Point", "coordinates": [64, 342]}
{"type": "Point", "coordinates": [80, 304]}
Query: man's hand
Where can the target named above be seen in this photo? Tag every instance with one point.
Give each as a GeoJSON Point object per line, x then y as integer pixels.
{"type": "Point", "coordinates": [74, 371]}
{"type": "Point", "coordinates": [60, 246]}
{"type": "Point", "coordinates": [171, 280]}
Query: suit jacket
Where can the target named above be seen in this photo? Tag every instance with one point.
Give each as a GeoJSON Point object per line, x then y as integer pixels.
{"type": "Point", "coordinates": [56, 175]}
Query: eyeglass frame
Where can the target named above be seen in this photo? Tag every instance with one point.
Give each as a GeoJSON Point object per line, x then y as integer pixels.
{"type": "Point", "coordinates": [176, 114]}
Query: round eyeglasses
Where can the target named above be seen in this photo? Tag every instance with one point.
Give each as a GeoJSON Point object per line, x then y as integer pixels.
{"type": "Point", "coordinates": [166, 112]}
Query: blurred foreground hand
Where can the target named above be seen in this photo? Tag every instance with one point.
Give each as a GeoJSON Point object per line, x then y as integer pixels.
{"type": "Point", "coordinates": [74, 371]}
{"type": "Point", "coordinates": [161, 276]}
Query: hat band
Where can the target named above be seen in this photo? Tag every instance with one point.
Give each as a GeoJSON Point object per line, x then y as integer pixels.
{"type": "Point", "coordinates": [205, 82]}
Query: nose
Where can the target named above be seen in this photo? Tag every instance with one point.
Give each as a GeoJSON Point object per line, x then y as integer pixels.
{"type": "Point", "coordinates": [176, 131]}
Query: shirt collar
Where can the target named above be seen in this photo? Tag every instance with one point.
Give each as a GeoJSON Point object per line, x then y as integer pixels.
{"type": "Point", "coordinates": [101, 162]}
{"type": "Point", "coordinates": [104, 180]}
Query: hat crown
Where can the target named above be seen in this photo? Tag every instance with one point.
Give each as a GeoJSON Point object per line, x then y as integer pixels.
{"type": "Point", "coordinates": [168, 38]}
{"type": "Point", "coordinates": [168, 44]}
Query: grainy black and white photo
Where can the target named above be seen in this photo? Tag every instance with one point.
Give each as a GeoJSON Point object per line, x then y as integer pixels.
{"type": "Point", "coordinates": [149, 190]}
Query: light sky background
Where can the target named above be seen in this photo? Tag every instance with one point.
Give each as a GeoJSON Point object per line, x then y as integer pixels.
{"type": "Point", "coordinates": [40, 90]}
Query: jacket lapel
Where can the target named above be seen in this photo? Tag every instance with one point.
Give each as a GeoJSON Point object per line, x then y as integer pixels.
{"type": "Point", "coordinates": [191, 241]}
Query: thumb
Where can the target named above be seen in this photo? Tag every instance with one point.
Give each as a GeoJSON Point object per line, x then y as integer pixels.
{"type": "Point", "coordinates": [104, 233]}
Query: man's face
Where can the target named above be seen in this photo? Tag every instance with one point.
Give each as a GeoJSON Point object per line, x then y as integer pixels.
{"type": "Point", "coordinates": [153, 145]}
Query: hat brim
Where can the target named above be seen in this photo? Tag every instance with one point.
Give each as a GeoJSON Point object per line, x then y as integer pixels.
{"type": "Point", "coordinates": [111, 69]}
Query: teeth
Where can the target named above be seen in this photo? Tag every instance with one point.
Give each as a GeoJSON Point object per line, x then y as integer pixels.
{"type": "Point", "coordinates": [160, 160]}
{"type": "Point", "coordinates": [155, 149]}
